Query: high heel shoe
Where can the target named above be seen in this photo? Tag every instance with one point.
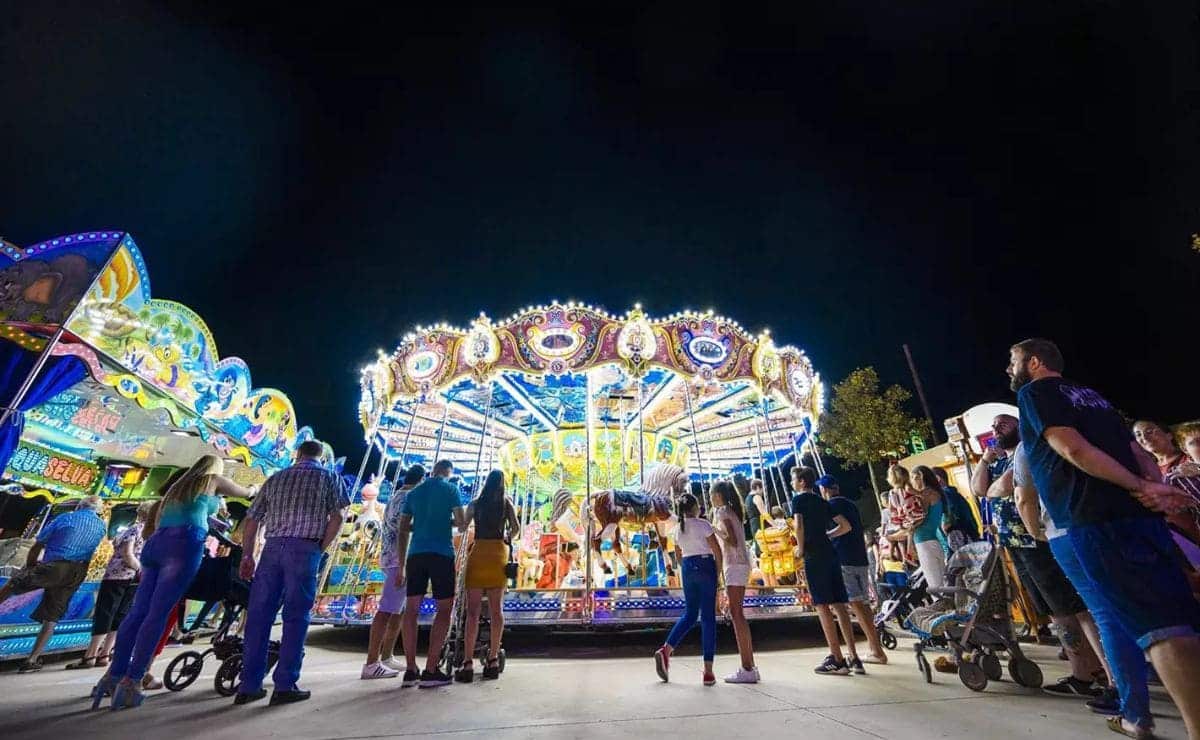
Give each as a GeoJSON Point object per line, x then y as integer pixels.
{"type": "Point", "coordinates": [104, 687]}
{"type": "Point", "coordinates": [127, 695]}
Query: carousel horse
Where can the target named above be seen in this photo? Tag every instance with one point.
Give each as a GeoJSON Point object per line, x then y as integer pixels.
{"type": "Point", "coordinates": [653, 505]}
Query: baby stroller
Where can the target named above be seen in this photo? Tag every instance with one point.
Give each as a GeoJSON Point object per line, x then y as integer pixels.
{"type": "Point", "coordinates": [218, 580]}
{"type": "Point", "coordinates": [972, 619]}
{"type": "Point", "coordinates": [898, 603]}
{"type": "Point", "coordinates": [455, 649]}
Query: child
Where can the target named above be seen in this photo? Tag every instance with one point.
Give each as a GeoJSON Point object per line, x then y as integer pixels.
{"type": "Point", "coordinates": [778, 517]}
{"type": "Point", "coordinates": [728, 520]}
{"type": "Point", "coordinates": [701, 557]}
{"type": "Point", "coordinates": [905, 511]}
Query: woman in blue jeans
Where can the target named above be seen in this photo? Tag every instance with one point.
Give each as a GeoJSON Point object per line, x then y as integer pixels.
{"type": "Point", "coordinates": [170, 560]}
{"type": "Point", "coordinates": [701, 553]}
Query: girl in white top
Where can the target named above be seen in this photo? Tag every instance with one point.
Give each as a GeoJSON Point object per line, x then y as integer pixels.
{"type": "Point", "coordinates": [729, 524]}
{"type": "Point", "coordinates": [701, 563]}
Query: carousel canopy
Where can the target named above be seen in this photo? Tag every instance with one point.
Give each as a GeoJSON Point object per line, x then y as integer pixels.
{"type": "Point", "coordinates": [552, 388]}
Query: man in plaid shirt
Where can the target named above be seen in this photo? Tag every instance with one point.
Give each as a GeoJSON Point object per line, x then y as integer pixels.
{"type": "Point", "coordinates": [301, 510]}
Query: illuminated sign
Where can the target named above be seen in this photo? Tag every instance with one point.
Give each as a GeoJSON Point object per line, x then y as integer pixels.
{"type": "Point", "coordinates": [707, 351]}
{"type": "Point", "coordinates": [38, 466]}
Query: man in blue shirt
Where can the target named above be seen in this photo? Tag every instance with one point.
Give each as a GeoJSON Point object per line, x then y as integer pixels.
{"type": "Point", "coordinates": [425, 534]}
{"type": "Point", "coordinates": [1080, 454]}
{"type": "Point", "coordinates": [847, 537]}
{"type": "Point", "coordinates": [813, 520]}
{"type": "Point", "coordinates": [66, 545]}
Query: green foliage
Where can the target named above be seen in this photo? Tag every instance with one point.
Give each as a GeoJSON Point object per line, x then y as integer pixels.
{"type": "Point", "coordinates": [864, 425]}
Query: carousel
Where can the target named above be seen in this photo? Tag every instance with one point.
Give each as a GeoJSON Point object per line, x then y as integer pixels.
{"type": "Point", "coordinates": [598, 421]}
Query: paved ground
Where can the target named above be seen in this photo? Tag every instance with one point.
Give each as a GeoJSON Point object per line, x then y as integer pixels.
{"type": "Point", "coordinates": [580, 686]}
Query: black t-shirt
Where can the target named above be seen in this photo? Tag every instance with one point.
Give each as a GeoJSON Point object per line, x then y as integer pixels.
{"type": "Point", "coordinates": [817, 521]}
{"type": "Point", "coordinates": [851, 548]}
{"type": "Point", "coordinates": [1070, 495]}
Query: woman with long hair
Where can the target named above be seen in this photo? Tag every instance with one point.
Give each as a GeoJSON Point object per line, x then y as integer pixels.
{"type": "Point", "coordinates": [170, 559]}
{"type": "Point", "coordinates": [729, 524]}
{"type": "Point", "coordinates": [492, 513]}
{"type": "Point", "coordinates": [701, 557]}
{"type": "Point", "coordinates": [1157, 440]}
{"type": "Point", "coordinates": [927, 533]}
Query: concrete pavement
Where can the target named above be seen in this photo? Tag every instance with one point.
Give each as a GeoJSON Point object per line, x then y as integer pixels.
{"type": "Point", "coordinates": [597, 685]}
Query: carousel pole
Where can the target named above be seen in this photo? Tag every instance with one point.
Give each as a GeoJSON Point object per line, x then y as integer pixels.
{"type": "Point", "coordinates": [587, 494]}
{"type": "Point", "coordinates": [641, 438]}
{"type": "Point", "coordinates": [437, 451]}
{"type": "Point", "coordinates": [774, 450]}
{"type": "Point", "coordinates": [624, 473]}
{"type": "Point", "coordinates": [762, 463]}
{"type": "Point", "coordinates": [695, 440]}
{"type": "Point", "coordinates": [487, 415]}
{"type": "Point", "coordinates": [362, 469]}
{"type": "Point", "coordinates": [412, 422]}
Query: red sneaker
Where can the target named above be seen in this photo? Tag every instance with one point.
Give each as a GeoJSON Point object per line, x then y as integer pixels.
{"type": "Point", "coordinates": [662, 662]}
{"type": "Point", "coordinates": [709, 679]}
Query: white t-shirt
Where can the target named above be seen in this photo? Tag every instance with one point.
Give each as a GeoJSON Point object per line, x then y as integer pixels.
{"type": "Point", "coordinates": [692, 538]}
{"type": "Point", "coordinates": [1021, 477]}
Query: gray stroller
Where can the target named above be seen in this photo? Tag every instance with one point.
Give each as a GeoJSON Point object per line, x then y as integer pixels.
{"type": "Point", "coordinates": [971, 618]}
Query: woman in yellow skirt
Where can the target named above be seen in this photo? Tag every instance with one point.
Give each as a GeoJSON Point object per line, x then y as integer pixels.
{"type": "Point", "coordinates": [495, 524]}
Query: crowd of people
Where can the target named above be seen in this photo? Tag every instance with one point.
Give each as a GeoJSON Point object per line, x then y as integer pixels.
{"type": "Point", "coordinates": [1099, 519]}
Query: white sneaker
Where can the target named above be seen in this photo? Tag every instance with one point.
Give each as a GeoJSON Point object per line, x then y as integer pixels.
{"type": "Point", "coordinates": [392, 664]}
{"type": "Point", "coordinates": [743, 676]}
{"type": "Point", "coordinates": [377, 670]}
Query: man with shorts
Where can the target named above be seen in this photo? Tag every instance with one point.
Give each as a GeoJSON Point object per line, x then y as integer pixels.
{"type": "Point", "coordinates": [66, 545]}
{"type": "Point", "coordinates": [425, 519]}
{"type": "Point", "coordinates": [813, 519]}
{"type": "Point", "coordinates": [848, 541]}
{"type": "Point", "coordinates": [1117, 551]}
{"type": "Point", "coordinates": [385, 627]}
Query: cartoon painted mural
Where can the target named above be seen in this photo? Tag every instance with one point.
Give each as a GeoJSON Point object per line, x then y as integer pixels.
{"type": "Point", "coordinates": [98, 285]}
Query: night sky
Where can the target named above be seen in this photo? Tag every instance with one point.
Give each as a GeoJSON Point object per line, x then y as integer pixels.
{"type": "Point", "coordinates": [954, 175]}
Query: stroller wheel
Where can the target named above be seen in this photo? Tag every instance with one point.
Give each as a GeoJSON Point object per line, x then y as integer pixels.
{"type": "Point", "coordinates": [229, 675]}
{"type": "Point", "coordinates": [924, 667]}
{"type": "Point", "coordinates": [972, 675]}
{"type": "Point", "coordinates": [183, 670]}
{"type": "Point", "coordinates": [1025, 672]}
{"type": "Point", "coordinates": [991, 666]}
{"type": "Point", "coordinates": [888, 640]}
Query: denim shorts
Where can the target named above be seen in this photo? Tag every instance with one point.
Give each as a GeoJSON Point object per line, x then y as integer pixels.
{"type": "Point", "coordinates": [856, 578]}
{"type": "Point", "coordinates": [1134, 565]}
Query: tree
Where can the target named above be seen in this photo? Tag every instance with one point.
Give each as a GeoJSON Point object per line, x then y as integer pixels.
{"type": "Point", "coordinates": [864, 425]}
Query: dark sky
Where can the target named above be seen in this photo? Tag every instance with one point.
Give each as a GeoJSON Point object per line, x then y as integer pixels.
{"type": "Point", "coordinates": [955, 175]}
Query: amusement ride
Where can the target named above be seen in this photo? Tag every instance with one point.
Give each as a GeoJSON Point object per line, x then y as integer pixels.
{"type": "Point", "coordinates": [598, 421]}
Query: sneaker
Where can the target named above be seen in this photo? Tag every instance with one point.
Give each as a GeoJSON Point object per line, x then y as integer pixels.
{"type": "Point", "coordinates": [249, 696]}
{"type": "Point", "coordinates": [662, 663]}
{"type": "Point", "coordinates": [742, 675]}
{"type": "Point", "coordinates": [857, 667]}
{"type": "Point", "coordinates": [411, 678]}
{"type": "Point", "coordinates": [1108, 703]}
{"type": "Point", "coordinates": [150, 683]}
{"type": "Point", "coordinates": [289, 697]}
{"type": "Point", "coordinates": [1072, 687]}
{"type": "Point", "coordinates": [393, 665]}
{"type": "Point", "coordinates": [377, 670]}
{"type": "Point", "coordinates": [757, 675]}
{"type": "Point", "coordinates": [433, 679]}
{"type": "Point", "coordinates": [832, 667]}
{"type": "Point", "coordinates": [709, 679]}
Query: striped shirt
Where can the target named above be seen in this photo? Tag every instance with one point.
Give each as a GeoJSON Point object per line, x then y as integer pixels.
{"type": "Point", "coordinates": [297, 501]}
{"type": "Point", "coordinates": [73, 536]}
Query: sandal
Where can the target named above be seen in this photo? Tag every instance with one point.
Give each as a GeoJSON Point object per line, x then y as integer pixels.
{"type": "Point", "coordinates": [492, 670]}
{"type": "Point", "coordinates": [84, 662]}
{"type": "Point", "coordinates": [102, 660]}
{"type": "Point", "coordinates": [1117, 724]}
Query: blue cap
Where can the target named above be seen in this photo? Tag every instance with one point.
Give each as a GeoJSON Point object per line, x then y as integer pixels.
{"type": "Point", "coordinates": [827, 481]}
